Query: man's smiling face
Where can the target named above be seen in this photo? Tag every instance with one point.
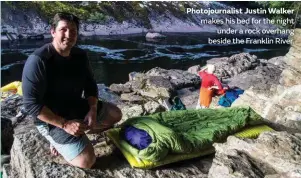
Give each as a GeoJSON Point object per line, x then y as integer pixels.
{"type": "Point", "coordinates": [64, 35]}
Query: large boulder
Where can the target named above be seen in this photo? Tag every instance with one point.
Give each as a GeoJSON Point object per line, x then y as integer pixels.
{"type": "Point", "coordinates": [262, 78]}
{"type": "Point", "coordinates": [194, 69]}
{"type": "Point", "coordinates": [11, 106]}
{"type": "Point", "coordinates": [280, 104]}
{"type": "Point", "coordinates": [156, 87]}
{"type": "Point", "coordinates": [120, 88]}
{"type": "Point", "coordinates": [227, 67]}
{"type": "Point", "coordinates": [30, 158]}
{"type": "Point", "coordinates": [133, 110]}
{"type": "Point", "coordinates": [293, 57]}
{"type": "Point", "coordinates": [178, 78]}
{"type": "Point", "coordinates": [154, 35]}
{"type": "Point", "coordinates": [153, 107]}
{"type": "Point", "coordinates": [278, 61]}
{"type": "Point", "coordinates": [189, 97]}
{"type": "Point", "coordinates": [272, 154]}
{"type": "Point", "coordinates": [104, 93]}
{"type": "Point", "coordinates": [290, 77]}
{"type": "Point", "coordinates": [153, 85]}
{"type": "Point", "coordinates": [285, 109]}
{"type": "Point", "coordinates": [282, 107]}
{"type": "Point", "coordinates": [132, 98]}
{"type": "Point", "coordinates": [256, 100]}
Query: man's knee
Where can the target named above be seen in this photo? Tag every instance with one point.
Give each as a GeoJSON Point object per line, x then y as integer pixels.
{"type": "Point", "coordinates": [86, 158]}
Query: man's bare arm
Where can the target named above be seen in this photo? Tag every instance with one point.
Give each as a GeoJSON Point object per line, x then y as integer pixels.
{"type": "Point", "coordinates": [72, 127]}
{"type": "Point", "coordinates": [49, 117]}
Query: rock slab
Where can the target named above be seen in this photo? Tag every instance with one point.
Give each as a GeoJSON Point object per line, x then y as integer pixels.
{"type": "Point", "coordinates": [273, 154]}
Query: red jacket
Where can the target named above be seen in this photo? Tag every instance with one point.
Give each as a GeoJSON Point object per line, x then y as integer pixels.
{"type": "Point", "coordinates": [209, 80]}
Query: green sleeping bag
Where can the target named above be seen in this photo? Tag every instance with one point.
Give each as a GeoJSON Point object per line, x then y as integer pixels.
{"type": "Point", "coordinates": [188, 131]}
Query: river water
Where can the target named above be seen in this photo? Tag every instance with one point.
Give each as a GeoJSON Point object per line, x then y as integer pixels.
{"type": "Point", "coordinates": [114, 57]}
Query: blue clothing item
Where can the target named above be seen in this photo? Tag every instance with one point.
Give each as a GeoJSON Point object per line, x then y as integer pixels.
{"type": "Point", "coordinates": [138, 138]}
{"type": "Point", "coordinates": [69, 150]}
{"type": "Point", "coordinates": [67, 145]}
{"type": "Point", "coordinates": [177, 104]}
{"type": "Point", "coordinates": [230, 96]}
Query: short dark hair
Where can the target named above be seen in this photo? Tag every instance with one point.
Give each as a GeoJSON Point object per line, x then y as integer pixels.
{"type": "Point", "coordinates": [64, 16]}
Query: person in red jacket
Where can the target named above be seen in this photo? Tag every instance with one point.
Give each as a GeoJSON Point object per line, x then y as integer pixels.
{"type": "Point", "coordinates": [210, 85]}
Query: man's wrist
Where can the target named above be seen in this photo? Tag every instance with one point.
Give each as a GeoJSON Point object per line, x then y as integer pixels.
{"type": "Point", "coordinates": [63, 123]}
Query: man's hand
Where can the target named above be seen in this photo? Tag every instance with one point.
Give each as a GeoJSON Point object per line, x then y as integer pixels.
{"type": "Point", "coordinates": [213, 87]}
{"type": "Point", "coordinates": [75, 127]}
{"type": "Point", "coordinates": [90, 118]}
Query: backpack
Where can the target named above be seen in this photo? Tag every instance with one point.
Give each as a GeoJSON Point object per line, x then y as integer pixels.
{"type": "Point", "coordinates": [177, 104]}
{"type": "Point", "coordinates": [230, 96]}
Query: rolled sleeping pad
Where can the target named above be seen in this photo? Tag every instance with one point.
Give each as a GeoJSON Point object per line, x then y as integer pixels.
{"type": "Point", "coordinates": [15, 86]}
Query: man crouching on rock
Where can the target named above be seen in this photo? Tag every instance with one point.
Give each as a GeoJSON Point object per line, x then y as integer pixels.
{"type": "Point", "coordinates": [54, 79]}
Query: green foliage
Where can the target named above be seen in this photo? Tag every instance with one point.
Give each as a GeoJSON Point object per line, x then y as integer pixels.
{"type": "Point", "coordinates": [47, 9]}
{"type": "Point", "coordinates": [294, 5]}
{"type": "Point", "coordinates": [141, 13]}
{"type": "Point", "coordinates": [96, 17]}
{"type": "Point", "coordinates": [50, 8]}
{"type": "Point", "coordinates": [99, 11]}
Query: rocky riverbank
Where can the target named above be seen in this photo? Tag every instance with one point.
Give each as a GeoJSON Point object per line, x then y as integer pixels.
{"type": "Point", "coordinates": [272, 89]}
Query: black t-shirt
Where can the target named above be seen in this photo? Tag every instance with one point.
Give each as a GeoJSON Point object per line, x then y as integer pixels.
{"type": "Point", "coordinates": [57, 82]}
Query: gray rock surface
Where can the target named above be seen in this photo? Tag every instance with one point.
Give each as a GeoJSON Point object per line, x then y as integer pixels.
{"type": "Point", "coordinates": [17, 21]}
{"type": "Point", "coordinates": [285, 109]}
{"type": "Point", "coordinates": [227, 67]}
{"type": "Point", "coordinates": [6, 170]}
{"type": "Point", "coordinates": [154, 35]}
{"type": "Point", "coordinates": [132, 97]}
{"type": "Point", "coordinates": [244, 70]}
{"type": "Point", "coordinates": [194, 69]}
{"type": "Point", "coordinates": [105, 94]}
{"type": "Point", "coordinates": [254, 99]}
{"type": "Point", "coordinates": [11, 105]}
{"type": "Point", "coordinates": [31, 158]}
{"type": "Point", "coordinates": [178, 78]}
{"type": "Point", "coordinates": [271, 154]}
{"type": "Point", "coordinates": [290, 77]}
{"type": "Point", "coordinates": [131, 111]}
{"type": "Point", "coordinates": [278, 61]}
{"type": "Point", "coordinates": [189, 97]}
{"type": "Point", "coordinates": [279, 103]}
{"type": "Point", "coordinates": [155, 84]}
{"type": "Point", "coordinates": [293, 57]}
{"type": "Point", "coordinates": [156, 87]}
{"type": "Point", "coordinates": [120, 88]}
{"type": "Point", "coordinates": [262, 78]}
{"type": "Point", "coordinates": [153, 107]}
